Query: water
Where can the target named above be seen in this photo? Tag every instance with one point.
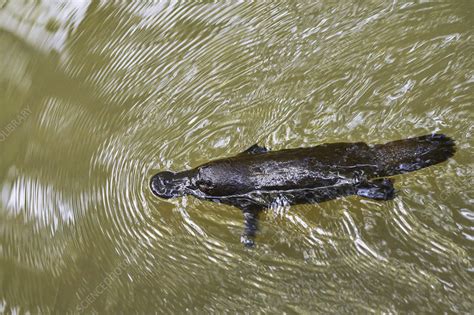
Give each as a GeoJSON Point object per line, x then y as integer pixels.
{"type": "Point", "coordinates": [96, 97]}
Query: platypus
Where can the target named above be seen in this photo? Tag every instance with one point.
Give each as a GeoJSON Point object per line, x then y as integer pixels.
{"type": "Point", "coordinates": [258, 178]}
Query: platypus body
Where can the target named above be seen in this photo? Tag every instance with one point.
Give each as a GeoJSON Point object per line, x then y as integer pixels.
{"type": "Point", "coordinates": [258, 178]}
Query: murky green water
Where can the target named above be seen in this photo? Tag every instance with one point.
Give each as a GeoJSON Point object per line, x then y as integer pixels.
{"type": "Point", "coordinates": [96, 97]}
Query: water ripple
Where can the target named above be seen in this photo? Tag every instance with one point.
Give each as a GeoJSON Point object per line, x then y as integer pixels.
{"type": "Point", "coordinates": [135, 88]}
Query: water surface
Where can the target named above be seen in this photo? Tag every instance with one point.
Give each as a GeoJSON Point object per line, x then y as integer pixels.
{"type": "Point", "coordinates": [98, 96]}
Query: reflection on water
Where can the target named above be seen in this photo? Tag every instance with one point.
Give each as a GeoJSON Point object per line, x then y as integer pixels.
{"type": "Point", "coordinates": [117, 92]}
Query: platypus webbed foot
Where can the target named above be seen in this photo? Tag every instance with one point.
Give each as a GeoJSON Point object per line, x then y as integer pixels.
{"type": "Point", "coordinates": [247, 240]}
{"type": "Point", "coordinates": [250, 226]}
{"type": "Point", "coordinates": [378, 189]}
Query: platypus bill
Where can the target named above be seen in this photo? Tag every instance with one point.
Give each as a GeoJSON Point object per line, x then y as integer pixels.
{"type": "Point", "coordinates": [257, 178]}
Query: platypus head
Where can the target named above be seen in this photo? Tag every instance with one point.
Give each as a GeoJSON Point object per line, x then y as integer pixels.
{"type": "Point", "coordinates": [169, 184]}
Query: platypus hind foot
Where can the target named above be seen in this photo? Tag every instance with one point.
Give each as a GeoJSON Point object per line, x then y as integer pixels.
{"type": "Point", "coordinates": [379, 189]}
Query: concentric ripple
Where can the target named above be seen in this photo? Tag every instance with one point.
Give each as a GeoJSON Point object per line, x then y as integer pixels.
{"type": "Point", "coordinates": [98, 96]}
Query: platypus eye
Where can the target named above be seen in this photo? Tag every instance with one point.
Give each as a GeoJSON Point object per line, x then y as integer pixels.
{"type": "Point", "coordinates": [204, 185]}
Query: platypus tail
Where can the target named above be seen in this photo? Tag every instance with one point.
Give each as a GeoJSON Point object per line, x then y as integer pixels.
{"type": "Point", "coordinates": [408, 155]}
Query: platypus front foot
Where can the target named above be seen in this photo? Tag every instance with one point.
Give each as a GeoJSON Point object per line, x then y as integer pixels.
{"type": "Point", "coordinates": [250, 226]}
{"type": "Point", "coordinates": [247, 240]}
